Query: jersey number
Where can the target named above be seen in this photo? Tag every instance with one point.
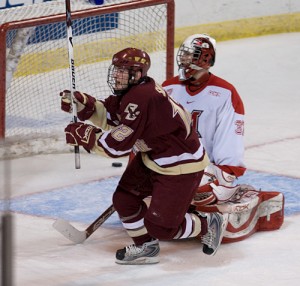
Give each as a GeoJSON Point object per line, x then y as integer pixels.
{"type": "Point", "coordinates": [121, 132]}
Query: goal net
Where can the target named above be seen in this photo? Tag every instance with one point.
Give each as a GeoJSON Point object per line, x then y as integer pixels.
{"type": "Point", "coordinates": [35, 67]}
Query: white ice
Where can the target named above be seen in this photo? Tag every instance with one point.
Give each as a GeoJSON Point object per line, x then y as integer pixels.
{"type": "Point", "coordinates": [265, 71]}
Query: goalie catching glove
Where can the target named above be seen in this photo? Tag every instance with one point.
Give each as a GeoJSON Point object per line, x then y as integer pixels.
{"type": "Point", "coordinates": [216, 186]}
{"type": "Point", "coordinates": [85, 103]}
{"type": "Point", "coordinates": [80, 134]}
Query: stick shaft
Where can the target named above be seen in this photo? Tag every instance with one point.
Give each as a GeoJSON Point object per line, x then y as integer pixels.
{"type": "Point", "coordinates": [72, 74]}
{"type": "Point", "coordinates": [100, 220]}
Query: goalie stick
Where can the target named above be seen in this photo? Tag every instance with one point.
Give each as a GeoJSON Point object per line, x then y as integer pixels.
{"type": "Point", "coordinates": [78, 236]}
{"type": "Point", "coordinates": [72, 74]}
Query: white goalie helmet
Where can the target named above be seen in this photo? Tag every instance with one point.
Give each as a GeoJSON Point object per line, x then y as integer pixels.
{"type": "Point", "coordinates": [197, 52]}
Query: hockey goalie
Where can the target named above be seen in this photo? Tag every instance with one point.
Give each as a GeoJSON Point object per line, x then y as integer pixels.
{"type": "Point", "coordinates": [218, 116]}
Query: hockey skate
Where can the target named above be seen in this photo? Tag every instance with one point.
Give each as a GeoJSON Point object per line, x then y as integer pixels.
{"type": "Point", "coordinates": [216, 226]}
{"type": "Point", "coordinates": [139, 254]}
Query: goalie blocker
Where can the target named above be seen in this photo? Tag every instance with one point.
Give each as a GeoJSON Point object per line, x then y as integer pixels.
{"type": "Point", "coordinates": [249, 211]}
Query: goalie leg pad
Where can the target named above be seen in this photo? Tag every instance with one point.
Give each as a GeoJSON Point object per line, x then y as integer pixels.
{"type": "Point", "coordinates": [249, 211]}
{"type": "Point", "coordinates": [271, 211]}
{"type": "Point", "coordinates": [267, 215]}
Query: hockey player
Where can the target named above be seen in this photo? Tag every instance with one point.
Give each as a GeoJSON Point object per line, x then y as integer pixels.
{"type": "Point", "coordinates": [216, 108]}
{"type": "Point", "coordinates": [218, 117]}
{"type": "Point", "coordinates": [168, 166]}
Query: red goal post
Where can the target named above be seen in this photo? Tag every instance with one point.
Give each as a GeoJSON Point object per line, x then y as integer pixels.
{"type": "Point", "coordinates": [34, 61]}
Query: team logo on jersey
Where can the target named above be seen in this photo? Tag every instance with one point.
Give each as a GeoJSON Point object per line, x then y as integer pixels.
{"type": "Point", "coordinates": [132, 112]}
{"type": "Point", "coordinates": [239, 127]}
{"type": "Point", "coordinates": [214, 93]}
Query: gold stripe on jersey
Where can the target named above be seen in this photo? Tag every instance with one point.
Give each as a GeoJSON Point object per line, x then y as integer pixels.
{"type": "Point", "coordinates": [185, 168]}
{"type": "Point", "coordinates": [99, 117]}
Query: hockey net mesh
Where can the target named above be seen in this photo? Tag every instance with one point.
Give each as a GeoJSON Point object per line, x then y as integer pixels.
{"type": "Point", "coordinates": [34, 122]}
{"type": "Point", "coordinates": [54, 7]}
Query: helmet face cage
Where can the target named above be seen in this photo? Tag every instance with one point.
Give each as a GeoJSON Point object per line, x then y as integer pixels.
{"type": "Point", "coordinates": [118, 81]}
{"type": "Point", "coordinates": [126, 63]}
{"type": "Point", "coordinates": [194, 54]}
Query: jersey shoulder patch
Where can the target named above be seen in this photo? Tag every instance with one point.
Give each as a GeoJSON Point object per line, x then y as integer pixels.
{"type": "Point", "coordinates": [237, 102]}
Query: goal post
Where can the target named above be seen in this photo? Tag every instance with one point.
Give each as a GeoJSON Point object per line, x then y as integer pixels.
{"type": "Point", "coordinates": [34, 61]}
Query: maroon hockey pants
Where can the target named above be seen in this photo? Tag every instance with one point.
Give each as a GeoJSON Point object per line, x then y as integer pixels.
{"type": "Point", "coordinates": [171, 197]}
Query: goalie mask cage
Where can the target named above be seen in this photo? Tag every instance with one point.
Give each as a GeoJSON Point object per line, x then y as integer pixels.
{"type": "Point", "coordinates": [35, 68]}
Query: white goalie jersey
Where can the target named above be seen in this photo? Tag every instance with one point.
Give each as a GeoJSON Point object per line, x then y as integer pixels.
{"type": "Point", "coordinates": [218, 117]}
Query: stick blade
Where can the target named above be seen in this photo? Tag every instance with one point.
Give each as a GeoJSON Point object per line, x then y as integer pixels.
{"type": "Point", "coordinates": [69, 231]}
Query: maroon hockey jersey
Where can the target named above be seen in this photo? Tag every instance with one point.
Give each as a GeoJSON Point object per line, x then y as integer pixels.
{"type": "Point", "coordinates": [150, 121]}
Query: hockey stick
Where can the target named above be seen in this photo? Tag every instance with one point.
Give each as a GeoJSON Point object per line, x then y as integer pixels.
{"type": "Point", "coordinates": [78, 236]}
{"type": "Point", "coordinates": [72, 74]}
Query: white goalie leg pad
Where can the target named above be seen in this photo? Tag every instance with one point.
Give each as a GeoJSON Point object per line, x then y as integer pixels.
{"type": "Point", "coordinates": [267, 215]}
{"type": "Point", "coordinates": [249, 211]}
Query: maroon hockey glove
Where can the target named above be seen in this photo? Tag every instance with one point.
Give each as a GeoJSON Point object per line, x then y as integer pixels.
{"type": "Point", "coordinates": [65, 101]}
{"type": "Point", "coordinates": [85, 104]}
{"type": "Point", "coordinates": [80, 134]}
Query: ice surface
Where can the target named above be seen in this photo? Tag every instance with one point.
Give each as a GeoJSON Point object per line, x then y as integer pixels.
{"type": "Point", "coordinates": [265, 71]}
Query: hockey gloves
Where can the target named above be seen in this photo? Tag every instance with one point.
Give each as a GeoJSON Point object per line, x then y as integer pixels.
{"type": "Point", "coordinates": [85, 104]}
{"type": "Point", "coordinates": [214, 174]}
{"type": "Point", "coordinates": [80, 134]}
{"type": "Point", "coordinates": [216, 186]}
